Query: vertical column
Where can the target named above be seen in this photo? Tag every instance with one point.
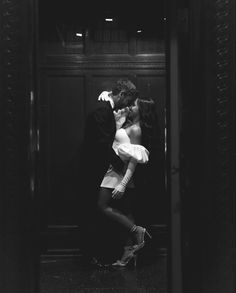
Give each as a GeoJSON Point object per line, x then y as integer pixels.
{"type": "Point", "coordinates": [17, 231]}
{"type": "Point", "coordinates": [219, 264]}
{"type": "Point", "coordinates": [208, 147]}
{"type": "Point", "coordinates": [173, 145]}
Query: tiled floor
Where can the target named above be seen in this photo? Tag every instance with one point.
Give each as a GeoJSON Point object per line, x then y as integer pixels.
{"type": "Point", "coordinates": [66, 274]}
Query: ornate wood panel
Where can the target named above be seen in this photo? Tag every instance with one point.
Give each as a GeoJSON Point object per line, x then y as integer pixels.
{"type": "Point", "coordinates": [66, 95]}
{"type": "Point", "coordinates": [17, 223]}
{"type": "Point", "coordinates": [221, 145]}
{"type": "Point", "coordinates": [208, 148]}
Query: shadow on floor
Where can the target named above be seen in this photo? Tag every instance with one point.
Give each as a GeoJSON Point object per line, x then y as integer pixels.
{"type": "Point", "coordinates": [69, 274]}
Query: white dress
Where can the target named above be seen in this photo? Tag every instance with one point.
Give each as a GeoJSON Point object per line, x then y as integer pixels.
{"type": "Point", "coordinates": [125, 150]}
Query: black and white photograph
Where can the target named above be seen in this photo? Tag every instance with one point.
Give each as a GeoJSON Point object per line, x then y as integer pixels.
{"type": "Point", "coordinates": [117, 152]}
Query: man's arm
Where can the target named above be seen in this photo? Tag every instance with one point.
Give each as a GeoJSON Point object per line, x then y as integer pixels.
{"type": "Point", "coordinates": [103, 123]}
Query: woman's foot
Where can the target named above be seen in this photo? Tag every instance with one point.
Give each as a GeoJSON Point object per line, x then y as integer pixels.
{"type": "Point", "coordinates": [128, 256]}
{"type": "Point", "coordinates": [139, 234]}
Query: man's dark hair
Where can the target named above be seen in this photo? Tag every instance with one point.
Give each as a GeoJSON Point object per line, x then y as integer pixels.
{"type": "Point", "coordinates": [122, 85]}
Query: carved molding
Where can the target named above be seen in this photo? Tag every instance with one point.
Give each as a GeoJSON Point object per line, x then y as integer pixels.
{"type": "Point", "coordinates": [15, 202]}
{"type": "Point", "coordinates": [10, 75]}
{"type": "Point", "coordinates": [15, 95]}
{"type": "Point", "coordinates": [224, 106]}
{"type": "Point", "coordinates": [101, 62]}
{"type": "Point", "coordinates": [222, 129]}
{"type": "Point", "coordinates": [209, 159]}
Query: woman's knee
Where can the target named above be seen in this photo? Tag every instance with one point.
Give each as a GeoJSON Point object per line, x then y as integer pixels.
{"type": "Point", "coordinates": [104, 208]}
{"type": "Point", "coordinates": [103, 200]}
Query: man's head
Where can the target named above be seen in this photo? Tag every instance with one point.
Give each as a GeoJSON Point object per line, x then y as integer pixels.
{"type": "Point", "coordinates": [124, 93]}
{"type": "Point", "coordinates": [122, 85]}
{"type": "Point", "coordinates": [126, 99]}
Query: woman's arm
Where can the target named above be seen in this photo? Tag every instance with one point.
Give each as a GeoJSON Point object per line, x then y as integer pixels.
{"type": "Point", "coordinates": [134, 133]}
{"type": "Point", "coordinates": [120, 189]}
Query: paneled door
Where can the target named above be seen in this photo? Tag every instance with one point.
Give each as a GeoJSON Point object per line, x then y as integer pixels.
{"type": "Point", "coordinates": [81, 55]}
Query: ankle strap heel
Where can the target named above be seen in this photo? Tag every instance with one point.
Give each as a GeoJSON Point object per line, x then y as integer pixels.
{"type": "Point", "coordinates": [148, 234]}
{"type": "Point", "coordinates": [139, 233]}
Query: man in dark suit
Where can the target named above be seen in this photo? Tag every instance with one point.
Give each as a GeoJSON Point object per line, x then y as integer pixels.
{"type": "Point", "coordinates": [97, 154]}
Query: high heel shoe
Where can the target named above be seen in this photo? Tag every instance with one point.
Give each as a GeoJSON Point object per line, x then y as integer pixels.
{"type": "Point", "coordinates": [128, 256]}
{"type": "Point", "coordinates": [120, 263]}
{"type": "Point", "coordinates": [140, 236]}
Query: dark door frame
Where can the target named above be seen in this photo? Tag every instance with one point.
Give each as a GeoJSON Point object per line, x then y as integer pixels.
{"type": "Point", "coordinates": [19, 76]}
{"type": "Point", "coordinates": [173, 149]}
{"type": "Point", "coordinates": [214, 218]}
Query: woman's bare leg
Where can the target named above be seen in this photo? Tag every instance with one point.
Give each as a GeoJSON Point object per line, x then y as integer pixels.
{"type": "Point", "coordinates": [105, 196]}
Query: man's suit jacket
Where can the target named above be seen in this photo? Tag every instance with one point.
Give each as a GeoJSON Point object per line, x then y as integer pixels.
{"type": "Point", "coordinates": [97, 153]}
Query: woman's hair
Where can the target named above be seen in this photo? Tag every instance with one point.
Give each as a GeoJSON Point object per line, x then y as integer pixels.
{"type": "Point", "coordinates": [144, 175]}
{"type": "Point", "coordinates": [149, 122]}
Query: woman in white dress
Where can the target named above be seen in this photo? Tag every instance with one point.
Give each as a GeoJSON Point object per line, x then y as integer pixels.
{"type": "Point", "coordinates": [132, 143]}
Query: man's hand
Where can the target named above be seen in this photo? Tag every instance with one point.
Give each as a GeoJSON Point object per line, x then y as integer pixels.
{"type": "Point", "coordinates": [104, 96]}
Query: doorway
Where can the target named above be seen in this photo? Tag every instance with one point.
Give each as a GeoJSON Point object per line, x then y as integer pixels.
{"type": "Point", "coordinates": [81, 52]}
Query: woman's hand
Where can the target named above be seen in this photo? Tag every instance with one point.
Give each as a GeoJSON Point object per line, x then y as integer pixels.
{"type": "Point", "coordinates": [118, 192]}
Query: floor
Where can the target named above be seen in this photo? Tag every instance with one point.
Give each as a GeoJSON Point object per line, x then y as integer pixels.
{"type": "Point", "coordinates": [69, 274]}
